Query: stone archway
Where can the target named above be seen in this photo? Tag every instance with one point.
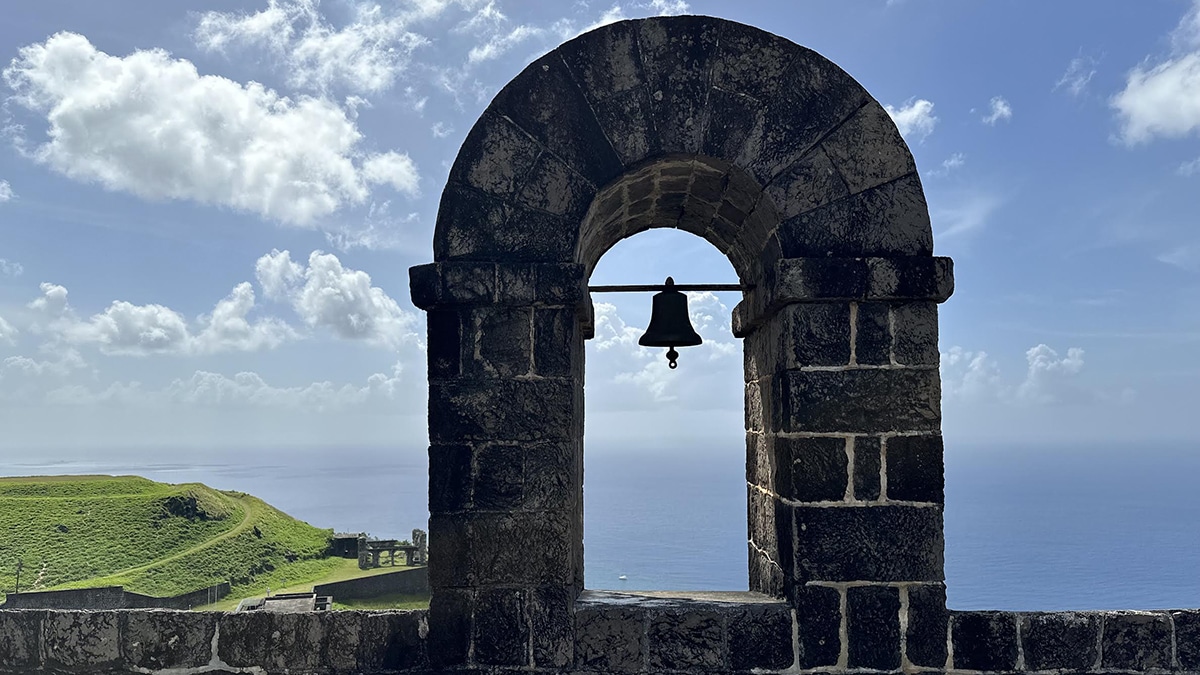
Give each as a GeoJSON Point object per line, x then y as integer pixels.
{"type": "Point", "coordinates": [782, 161]}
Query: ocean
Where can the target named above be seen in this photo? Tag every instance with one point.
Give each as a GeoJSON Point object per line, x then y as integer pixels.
{"type": "Point", "coordinates": [1027, 528]}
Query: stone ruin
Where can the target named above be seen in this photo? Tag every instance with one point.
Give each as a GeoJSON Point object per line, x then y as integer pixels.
{"type": "Point", "coordinates": [784, 163]}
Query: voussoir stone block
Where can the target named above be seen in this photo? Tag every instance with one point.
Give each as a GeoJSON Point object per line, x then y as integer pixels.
{"type": "Point", "coordinates": [868, 543]}
{"type": "Point", "coordinates": [859, 401]}
{"type": "Point", "coordinates": [873, 627]}
{"type": "Point", "coordinates": [677, 56]}
{"type": "Point", "coordinates": [1136, 640]}
{"type": "Point", "coordinates": [867, 149]}
{"type": "Point", "coordinates": [495, 157]}
{"type": "Point", "coordinates": [159, 639]}
{"type": "Point", "coordinates": [1061, 640]}
{"type": "Point", "coordinates": [984, 640]}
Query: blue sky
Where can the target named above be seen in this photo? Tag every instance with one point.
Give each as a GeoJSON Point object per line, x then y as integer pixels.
{"type": "Point", "coordinates": [208, 210]}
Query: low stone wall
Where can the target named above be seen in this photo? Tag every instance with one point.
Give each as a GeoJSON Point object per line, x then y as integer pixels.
{"type": "Point", "coordinates": [112, 597]}
{"type": "Point", "coordinates": [614, 633]}
{"type": "Point", "coordinates": [409, 581]}
{"type": "Point", "coordinates": [180, 643]}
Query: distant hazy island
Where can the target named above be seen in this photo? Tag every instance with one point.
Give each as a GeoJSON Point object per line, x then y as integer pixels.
{"type": "Point", "coordinates": [161, 540]}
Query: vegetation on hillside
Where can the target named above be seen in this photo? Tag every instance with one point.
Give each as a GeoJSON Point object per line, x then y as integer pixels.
{"type": "Point", "coordinates": [152, 538]}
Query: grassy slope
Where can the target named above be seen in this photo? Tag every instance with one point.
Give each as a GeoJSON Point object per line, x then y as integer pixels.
{"type": "Point", "coordinates": [133, 532]}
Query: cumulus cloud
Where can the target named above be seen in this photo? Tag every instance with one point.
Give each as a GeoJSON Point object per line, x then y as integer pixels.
{"type": "Point", "coordinates": [6, 191]}
{"type": "Point", "coordinates": [914, 119]}
{"type": "Point", "coordinates": [326, 294]}
{"type": "Point", "coordinates": [62, 364]}
{"type": "Point", "coordinates": [1049, 378]}
{"type": "Point", "coordinates": [1079, 73]}
{"type": "Point", "coordinates": [368, 54]}
{"type": "Point", "coordinates": [7, 332]}
{"type": "Point", "coordinates": [128, 329]}
{"type": "Point", "coordinates": [1162, 100]}
{"type": "Point", "coordinates": [153, 126]}
{"type": "Point", "coordinates": [205, 389]}
{"type": "Point", "coordinates": [999, 110]}
{"type": "Point", "coordinates": [10, 269]}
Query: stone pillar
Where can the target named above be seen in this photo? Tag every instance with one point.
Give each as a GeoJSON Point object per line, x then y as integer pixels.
{"type": "Point", "coordinates": [844, 464]}
{"type": "Point", "coordinates": [505, 460]}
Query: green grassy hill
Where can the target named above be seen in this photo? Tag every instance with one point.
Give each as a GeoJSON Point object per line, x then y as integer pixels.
{"type": "Point", "coordinates": [153, 538]}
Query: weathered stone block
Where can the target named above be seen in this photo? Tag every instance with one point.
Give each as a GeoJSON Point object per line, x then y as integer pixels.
{"type": "Point", "coordinates": [627, 121]}
{"type": "Point", "coordinates": [816, 334]}
{"type": "Point", "coordinates": [552, 625]}
{"type": "Point", "coordinates": [449, 546]}
{"type": "Point", "coordinates": [449, 478]}
{"type": "Point", "coordinates": [867, 468]}
{"type": "Point", "coordinates": [555, 188]}
{"type": "Point", "coordinates": [819, 468]}
{"type": "Point", "coordinates": [760, 637]}
{"type": "Point", "coordinates": [806, 279]}
{"type": "Point", "coordinates": [763, 509]}
{"type": "Point", "coordinates": [607, 63]}
{"type": "Point", "coordinates": [735, 126]}
{"type": "Point", "coordinates": [561, 284]}
{"type": "Point", "coordinates": [390, 641]}
{"type": "Point", "coordinates": [868, 543]}
{"type": "Point", "coordinates": [468, 282]}
{"type": "Point", "coordinates": [555, 335]}
{"type": "Point", "coordinates": [685, 639]}
{"type": "Point", "coordinates": [545, 102]}
{"type": "Point", "coordinates": [910, 278]}
{"type": "Point", "coordinates": [521, 548]}
{"type": "Point", "coordinates": [495, 157]}
{"type": "Point", "coordinates": [20, 638]}
{"type": "Point", "coordinates": [806, 185]}
{"type": "Point", "coordinates": [500, 410]}
{"type": "Point", "coordinates": [444, 343]}
{"type": "Point", "coordinates": [1136, 640]}
{"type": "Point", "coordinates": [247, 638]}
{"type": "Point", "coordinates": [676, 58]}
{"type": "Point", "coordinates": [73, 639]}
{"type": "Point", "coordinates": [761, 461]}
{"type": "Point", "coordinates": [450, 621]}
{"type": "Point", "coordinates": [859, 401]}
{"type": "Point", "coordinates": [819, 614]}
{"type": "Point", "coordinates": [888, 220]}
{"type": "Point", "coordinates": [501, 627]}
{"type": "Point", "coordinates": [873, 627]}
{"type": "Point", "coordinates": [984, 640]}
{"type": "Point", "coordinates": [868, 150]}
{"type": "Point", "coordinates": [498, 478]}
{"type": "Point", "coordinates": [501, 341]}
{"type": "Point", "coordinates": [549, 477]}
{"type": "Point", "coordinates": [1060, 640]}
{"type": "Point", "coordinates": [610, 639]}
{"type": "Point", "coordinates": [1187, 638]}
{"type": "Point", "coordinates": [927, 618]}
{"type": "Point", "coordinates": [159, 639]}
{"type": "Point", "coordinates": [424, 285]}
{"type": "Point", "coordinates": [343, 633]}
{"type": "Point", "coordinates": [915, 338]}
{"type": "Point", "coordinates": [915, 470]}
{"type": "Point", "coordinates": [474, 226]}
{"type": "Point", "coordinates": [872, 340]}
{"type": "Point", "coordinates": [516, 284]}
{"type": "Point", "coordinates": [766, 575]}
{"type": "Point", "coordinates": [295, 644]}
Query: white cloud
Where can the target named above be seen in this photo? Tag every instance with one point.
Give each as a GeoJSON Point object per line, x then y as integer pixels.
{"type": "Point", "coordinates": [68, 361]}
{"type": "Point", "coordinates": [1080, 72]}
{"type": "Point", "coordinates": [129, 329]}
{"type": "Point", "coordinates": [7, 332]}
{"type": "Point", "coordinates": [1184, 257]}
{"type": "Point", "coordinates": [1048, 377]}
{"type": "Point", "coordinates": [324, 293]}
{"type": "Point", "coordinates": [962, 212]}
{"type": "Point", "coordinates": [1000, 110]}
{"type": "Point", "coordinates": [969, 375]}
{"type": "Point", "coordinates": [10, 269]}
{"type": "Point", "coordinates": [914, 119]}
{"type": "Point", "coordinates": [6, 191]}
{"type": "Point", "coordinates": [152, 126]}
{"type": "Point", "coordinates": [392, 168]}
{"type": "Point", "coordinates": [441, 130]}
{"type": "Point", "coordinates": [368, 54]}
{"type": "Point", "coordinates": [1189, 168]}
{"type": "Point", "coordinates": [1163, 100]}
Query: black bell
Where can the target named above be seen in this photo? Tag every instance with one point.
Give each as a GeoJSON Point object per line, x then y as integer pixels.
{"type": "Point", "coordinates": [669, 323]}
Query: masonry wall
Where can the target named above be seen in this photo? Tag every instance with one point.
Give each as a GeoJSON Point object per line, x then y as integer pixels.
{"type": "Point", "coordinates": [112, 597]}
{"type": "Point", "coordinates": [410, 582]}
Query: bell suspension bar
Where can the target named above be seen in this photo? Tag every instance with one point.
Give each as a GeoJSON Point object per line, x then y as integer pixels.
{"type": "Point", "coordinates": [640, 288]}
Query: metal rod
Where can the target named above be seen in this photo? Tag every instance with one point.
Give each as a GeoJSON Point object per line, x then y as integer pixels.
{"type": "Point", "coordinates": [663, 287]}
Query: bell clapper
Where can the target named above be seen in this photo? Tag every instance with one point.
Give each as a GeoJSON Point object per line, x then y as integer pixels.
{"type": "Point", "coordinates": [671, 356]}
